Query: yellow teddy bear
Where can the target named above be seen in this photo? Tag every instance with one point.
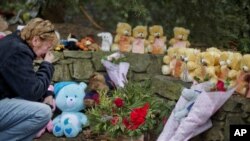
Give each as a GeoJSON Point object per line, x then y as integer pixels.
{"type": "Point", "coordinates": [180, 38]}
{"type": "Point", "coordinates": [157, 40]}
{"type": "Point", "coordinates": [190, 64]}
{"type": "Point", "coordinates": [242, 83]}
{"type": "Point", "coordinates": [169, 61]}
{"type": "Point", "coordinates": [211, 63]}
{"type": "Point", "coordinates": [223, 75]}
{"type": "Point", "coordinates": [123, 38]}
{"type": "Point", "coordinates": [229, 66]}
{"type": "Point", "coordinates": [233, 63]}
{"type": "Point", "coordinates": [140, 42]}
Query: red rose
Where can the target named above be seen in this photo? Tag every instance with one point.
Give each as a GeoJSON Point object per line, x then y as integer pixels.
{"type": "Point", "coordinates": [220, 86]}
{"type": "Point", "coordinates": [137, 117]}
{"type": "Point", "coordinates": [119, 102]}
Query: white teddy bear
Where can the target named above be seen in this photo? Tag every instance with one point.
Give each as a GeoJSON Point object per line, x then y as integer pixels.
{"type": "Point", "coordinates": [107, 40]}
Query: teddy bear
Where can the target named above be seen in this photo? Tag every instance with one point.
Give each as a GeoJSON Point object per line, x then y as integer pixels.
{"type": "Point", "coordinates": [88, 44]}
{"type": "Point", "coordinates": [180, 38]}
{"type": "Point", "coordinates": [223, 75]}
{"type": "Point", "coordinates": [49, 126]}
{"type": "Point", "coordinates": [140, 42]}
{"type": "Point", "coordinates": [190, 64]}
{"type": "Point", "coordinates": [69, 97]}
{"type": "Point", "coordinates": [170, 65]}
{"type": "Point", "coordinates": [107, 40]}
{"type": "Point", "coordinates": [97, 83]}
{"type": "Point", "coordinates": [157, 41]}
{"type": "Point", "coordinates": [190, 95]}
{"type": "Point", "coordinates": [233, 65]}
{"type": "Point", "coordinates": [207, 60]}
{"type": "Point", "coordinates": [210, 60]}
{"type": "Point", "coordinates": [247, 80]}
{"type": "Point", "coordinates": [123, 38]}
{"type": "Point", "coordinates": [243, 76]}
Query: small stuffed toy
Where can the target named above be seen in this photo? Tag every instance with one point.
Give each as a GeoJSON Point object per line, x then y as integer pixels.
{"type": "Point", "coordinates": [123, 38]}
{"type": "Point", "coordinates": [210, 60]}
{"type": "Point", "coordinates": [190, 95]}
{"type": "Point", "coordinates": [242, 77]}
{"type": "Point", "coordinates": [223, 75]}
{"type": "Point", "coordinates": [247, 80]}
{"type": "Point", "coordinates": [230, 67]}
{"type": "Point", "coordinates": [107, 40]}
{"type": "Point", "coordinates": [97, 83]}
{"type": "Point", "coordinates": [140, 43]}
{"type": "Point", "coordinates": [49, 126]}
{"type": "Point", "coordinates": [88, 44]}
{"type": "Point", "coordinates": [157, 40]}
{"type": "Point", "coordinates": [169, 61]}
{"type": "Point", "coordinates": [70, 43]}
{"type": "Point", "coordinates": [190, 64]}
{"type": "Point", "coordinates": [69, 99]}
{"type": "Point", "coordinates": [180, 38]}
{"type": "Point", "coordinates": [233, 63]}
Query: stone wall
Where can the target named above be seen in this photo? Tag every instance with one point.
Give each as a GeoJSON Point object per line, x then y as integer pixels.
{"type": "Point", "coordinates": [79, 65]}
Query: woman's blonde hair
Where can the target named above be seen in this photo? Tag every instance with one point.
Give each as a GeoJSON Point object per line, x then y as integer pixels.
{"type": "Point", "coordinates": [41, 28]}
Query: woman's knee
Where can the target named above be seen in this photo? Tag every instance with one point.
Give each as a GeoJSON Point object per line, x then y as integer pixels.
{"type": "Point", "coordinates": [44, 113]}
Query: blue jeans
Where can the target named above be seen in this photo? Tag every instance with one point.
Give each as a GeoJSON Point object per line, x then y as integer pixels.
{"type": "Point", "coordinates": [21, 120]}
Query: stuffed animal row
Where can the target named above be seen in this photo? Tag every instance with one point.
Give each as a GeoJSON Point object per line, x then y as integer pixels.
{"type": "Point", "coordinates": [189, 64]}
{"type": "Point", "coordinates": [142, 39]}
{"type": "Point", "coordinates": [139, 39]}
{"type": "Point", "coordinates": [136, 40]}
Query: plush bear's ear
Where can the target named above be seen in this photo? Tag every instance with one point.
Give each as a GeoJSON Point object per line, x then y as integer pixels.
{"type": "Point", "coordinates": [58, 86]}
{"type": "Point", "coordinates": [83, 85]}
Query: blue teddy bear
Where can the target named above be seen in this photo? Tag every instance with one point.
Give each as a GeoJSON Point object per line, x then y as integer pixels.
{"type": "Point", "coordinates": [190, 95]}
{"type": "Point", "coordinates": [69, 99]}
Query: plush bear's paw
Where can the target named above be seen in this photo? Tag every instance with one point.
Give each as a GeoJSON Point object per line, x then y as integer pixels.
{"type": "Point", "coordinates": [180, 114]}
{"type": "Point", "coordinates": [58, 130]}
{"type": "Point", "coordinates": [70, 130]}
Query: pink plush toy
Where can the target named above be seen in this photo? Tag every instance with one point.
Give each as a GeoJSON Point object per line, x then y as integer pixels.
{"type": "Point", "coordinates": [49, 126]}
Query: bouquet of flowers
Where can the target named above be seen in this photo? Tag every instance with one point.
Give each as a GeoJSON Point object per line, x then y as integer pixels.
{"type": "Point", "coordinates": [209, 99]}
{"type": "Point", "coordinates": [130, 112]}
{"type": "Point", "coordinates": [117, 68]}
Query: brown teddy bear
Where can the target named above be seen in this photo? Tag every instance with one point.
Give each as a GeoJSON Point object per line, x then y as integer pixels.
{"type": "Point", "coordinates": [88, 44]}
{"type": "Point", "coordinates": [157, 40]}
{"type": "Point", "coordinates": [123, 38]}
{"type": "Point", "coordinates": [180, 38]}
{"type": "Point", "coordinates": [140, 43]}
{"type": "Point", "coordinates": [247, 80]}
{"type": "Point", "coordinates": [243, 76]}
{"type": "Point", "coordinates": [97, 83]}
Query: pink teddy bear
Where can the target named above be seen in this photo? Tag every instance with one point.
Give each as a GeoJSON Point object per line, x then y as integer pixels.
{"type": "Point", "coordinates": [49, 126]}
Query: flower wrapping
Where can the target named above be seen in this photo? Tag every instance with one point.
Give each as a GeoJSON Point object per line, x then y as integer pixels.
{"type": "Point", "coordinates": [117, 72]}
{"type": "Point", "coordinates": [198, 118]}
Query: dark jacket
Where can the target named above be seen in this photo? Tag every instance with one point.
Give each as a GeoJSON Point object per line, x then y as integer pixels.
{"type": "Point", "coordinates": [17, 77]}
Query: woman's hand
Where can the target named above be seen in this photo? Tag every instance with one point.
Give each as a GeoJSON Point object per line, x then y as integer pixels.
{"type": "Point", "coordinates": [49, 57]}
